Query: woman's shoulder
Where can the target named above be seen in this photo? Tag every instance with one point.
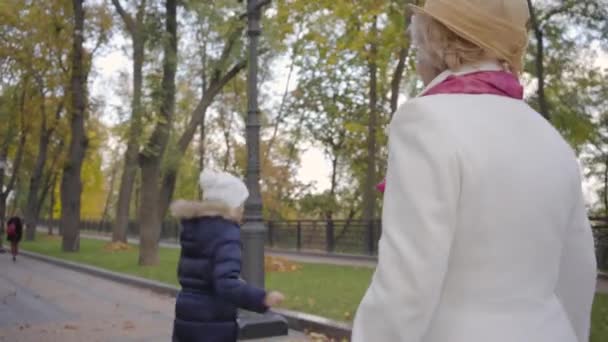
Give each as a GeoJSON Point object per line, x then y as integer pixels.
{"type": "Point", "coordinates": [424, 116]}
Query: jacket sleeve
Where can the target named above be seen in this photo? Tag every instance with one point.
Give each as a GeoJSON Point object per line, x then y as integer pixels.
{"type": "Point", "coordinates": [578, 270]}
{"type": "Point", "coordinates": [419, 217]}
{"type": "Point", "coordinates": [226, 281]}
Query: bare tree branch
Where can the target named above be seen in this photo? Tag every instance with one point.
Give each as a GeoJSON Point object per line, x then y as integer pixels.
{"type": "Point", "coordinates": [199, 112]}
{"type": "Point", "coordinates": [126, 17]}
{"type": "Point", "coordinates": [232, 39]}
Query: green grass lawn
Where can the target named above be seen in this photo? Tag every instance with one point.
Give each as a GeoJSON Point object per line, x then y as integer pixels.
{"type": "Point", "coordinates": [325, 290]}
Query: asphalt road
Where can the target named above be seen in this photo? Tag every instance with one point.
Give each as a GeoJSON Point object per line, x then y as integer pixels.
{"type": "Point", "coordinates": [40, 302]}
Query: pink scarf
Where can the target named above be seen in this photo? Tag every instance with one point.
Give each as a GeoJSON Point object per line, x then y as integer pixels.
{"type": "Point", "coordinates": [499, 83]}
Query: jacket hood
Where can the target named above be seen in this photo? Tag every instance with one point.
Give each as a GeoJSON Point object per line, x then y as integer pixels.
{"type": "Point", "coordinates": [185, 210]}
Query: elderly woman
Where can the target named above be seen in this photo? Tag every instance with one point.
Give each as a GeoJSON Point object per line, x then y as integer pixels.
{"type": "Point", "coordinates": [485, 235]}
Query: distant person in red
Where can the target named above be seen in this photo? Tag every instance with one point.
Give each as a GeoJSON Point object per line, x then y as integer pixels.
{"type": "Point", "coordinates": [14, 231]}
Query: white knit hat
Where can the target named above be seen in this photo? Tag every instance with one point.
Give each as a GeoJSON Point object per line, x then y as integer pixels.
{"type": "Point", "coordinates": [224, 188]}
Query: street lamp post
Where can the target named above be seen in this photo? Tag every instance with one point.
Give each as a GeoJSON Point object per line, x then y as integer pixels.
{"type": "Point", "coordinates": [254, 230]}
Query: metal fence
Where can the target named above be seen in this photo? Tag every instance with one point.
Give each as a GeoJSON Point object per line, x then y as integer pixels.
{"type": "Point", "coordinates": [331, 236]}
{"type": "Point", "coordinates": [600, 235]}
{"type": "Point", "coordinates": [169, 231]}
{"type": "Point", "coordinates": [335, 236]}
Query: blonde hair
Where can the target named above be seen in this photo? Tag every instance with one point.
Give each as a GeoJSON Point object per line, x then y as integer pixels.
{"type": "Point", "coordinates": [443, 49]}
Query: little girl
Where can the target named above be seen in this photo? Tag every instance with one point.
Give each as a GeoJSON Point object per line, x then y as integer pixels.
{"type": "Point", "coordinates": [210, 264]}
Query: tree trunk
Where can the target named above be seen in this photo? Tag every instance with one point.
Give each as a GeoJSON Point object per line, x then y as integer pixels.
{"type": "Point", "coordinates": [138, 38]}
{"type": "Point", "coordinates": [539, 60]}
{"type": "Point", "coordinates": [605, 187]}
{"type": "Point", "coordinates": [50, 178]}
{"type": "Point", "coordinates": [201, 156]}
{"type": "Point", "coordinates": [106, 207]}
{"type": "Point", "coordinates": [150, 217]}
{"type": "Point", "coordinates": [35, 182]}
{"type": "Point", "coordinates": [226, 126]}
{"type": "Point", "coordinates": [71, 184]}
{"type": "Point", "coordinates": [37, 193]}
{"type": "Point", "coordinates": [49, 187]}
{"type": "Point", "coordinates": [201, 146]}
{"type": "Point", "coordinates": [369, 194]}
{"type": "Point", "coordinates": [167, 189]}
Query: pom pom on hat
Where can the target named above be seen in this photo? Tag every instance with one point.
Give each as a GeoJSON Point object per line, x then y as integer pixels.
{"type": "Point", "coordinates": [224, 188]}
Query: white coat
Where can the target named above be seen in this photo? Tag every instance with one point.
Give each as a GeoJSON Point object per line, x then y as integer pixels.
{"type": "Point", "coordinates": [485, 233]}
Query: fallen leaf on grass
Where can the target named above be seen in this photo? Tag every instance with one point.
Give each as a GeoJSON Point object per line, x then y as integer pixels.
{"type": "Point", "coordinates": [280, 265]}
{"type": "Point", "coordinates": [116, 247]}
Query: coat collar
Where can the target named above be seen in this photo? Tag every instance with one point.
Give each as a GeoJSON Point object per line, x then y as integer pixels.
{"type": "Point", "coordinates": [467, 69]}
{"type": "Point", "coordinates": [186, 210]}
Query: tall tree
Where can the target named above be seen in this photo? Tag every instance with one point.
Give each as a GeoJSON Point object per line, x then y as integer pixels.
{"type": "Point", "coordinates": [135, 26]}
{"type": "Point", "coordinates": [560, 62]}
{"type": "Point", "coordinates": [36, 184]}
{"type": "Point", "coordinates": [371, 37]}
{"type": "Point", "coordinates": [71, 183]}
{"type": "Point", "coordinates": [150, 159]}
{"type": "Point", "coordinates": [220, 75]}
{"type": "Point", "coordinates": [15, 130]}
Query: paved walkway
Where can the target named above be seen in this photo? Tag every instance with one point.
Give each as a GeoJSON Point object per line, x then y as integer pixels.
{"type": "Point", "coordinates": [40, 302]}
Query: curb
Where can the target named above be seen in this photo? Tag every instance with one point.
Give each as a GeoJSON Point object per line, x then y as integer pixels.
{"type": "Point", "coordinates": [298, 321]}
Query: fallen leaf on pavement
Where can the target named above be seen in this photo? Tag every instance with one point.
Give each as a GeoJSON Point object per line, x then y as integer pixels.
{"type": "Point", "coordinates": [128, 325]}
{"type": "Point", "coordinates": [70, 327]}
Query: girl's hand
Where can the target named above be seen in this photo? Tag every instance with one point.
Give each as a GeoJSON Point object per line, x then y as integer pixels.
{"type": "Point", "coordinates": [273, 299]}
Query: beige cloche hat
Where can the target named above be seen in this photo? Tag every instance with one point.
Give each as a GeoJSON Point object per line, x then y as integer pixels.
{"type": "Point", "coordinates": [499, 26]}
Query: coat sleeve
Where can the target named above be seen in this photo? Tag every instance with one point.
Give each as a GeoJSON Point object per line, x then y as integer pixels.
{"type": "Point", "coordinates": [226, 281]}
{"type": "Point", "coordinates": [578, 270]}
{"type": "Point", "coordinates": [419, 218]}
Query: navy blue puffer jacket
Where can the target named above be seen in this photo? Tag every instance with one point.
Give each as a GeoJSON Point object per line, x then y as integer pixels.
{"type": "Point", "coordinates": [209, 274]}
